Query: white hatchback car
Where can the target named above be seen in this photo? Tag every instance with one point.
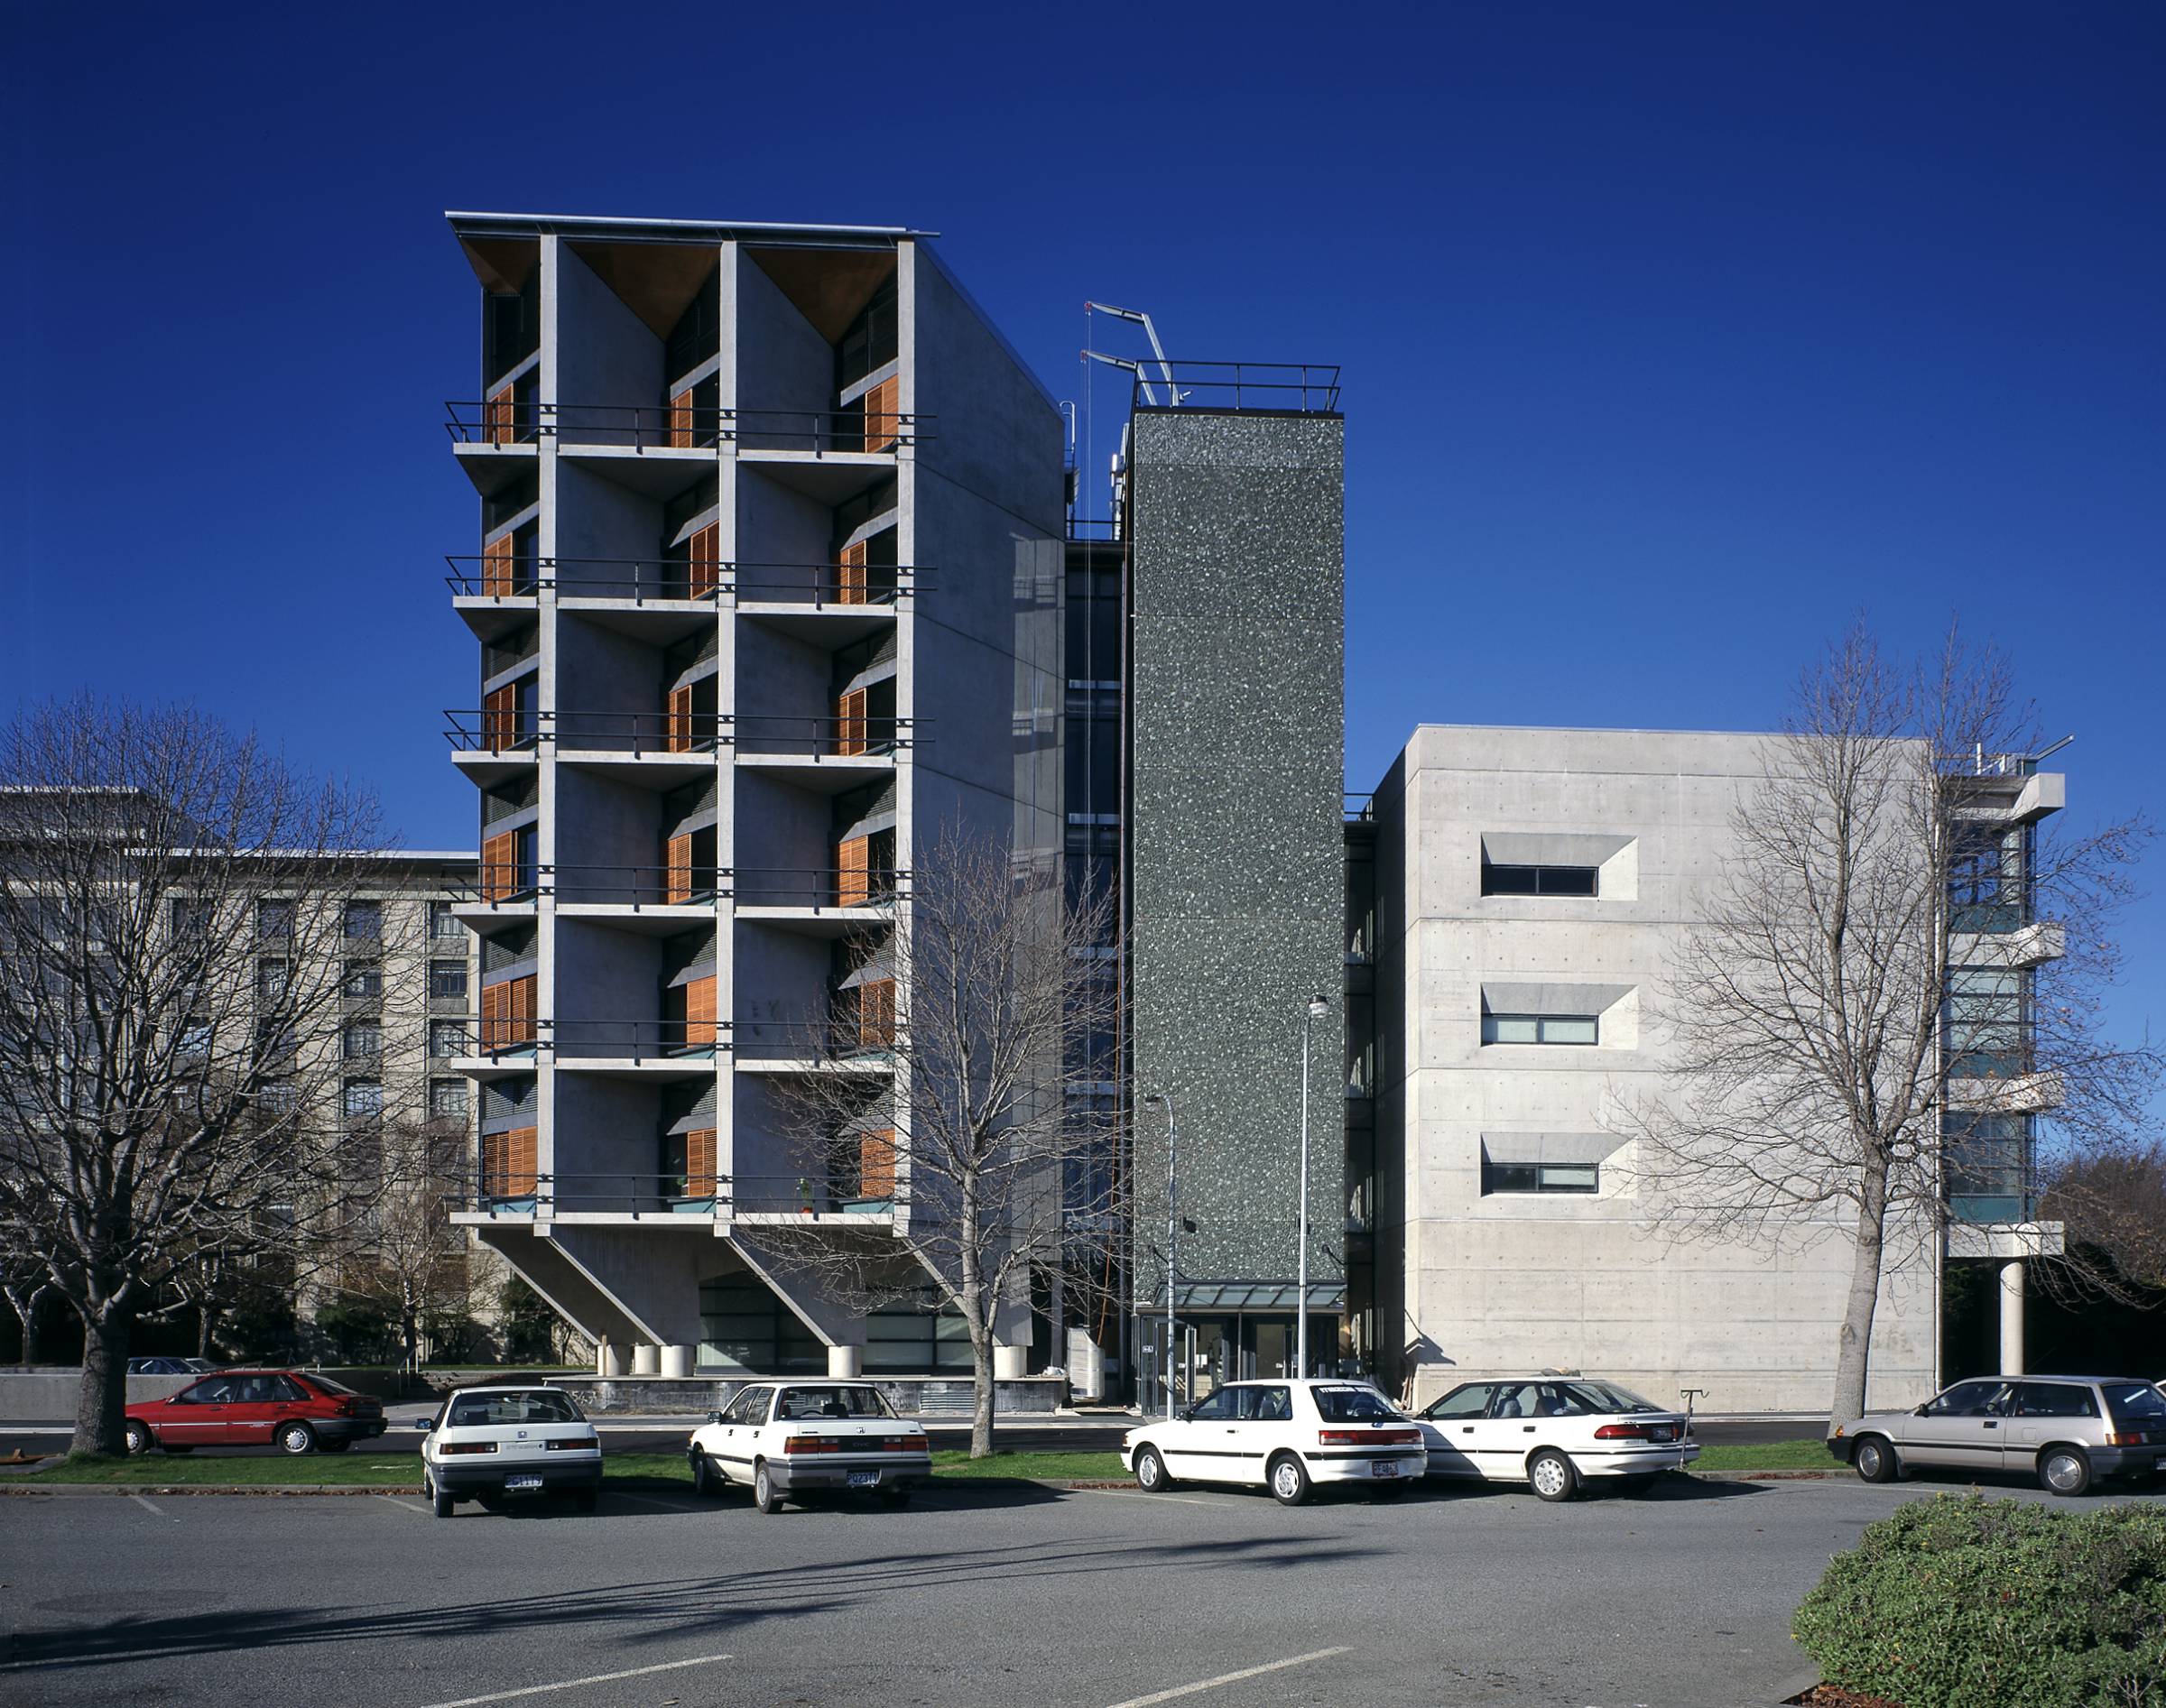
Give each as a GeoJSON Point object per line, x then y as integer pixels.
{"type": "Point", "coordinates": [1281, 1435]}
{"type": "Point", "coordinates": [1553, 1432]}
{"type": "Point", "coordinates": [505, 1442]}
{"type": "Point", "coordinates": [785, 1438]}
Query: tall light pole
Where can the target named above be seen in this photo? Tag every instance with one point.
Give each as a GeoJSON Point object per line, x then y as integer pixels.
{"type": "Point", "coordinates": [1316, 1010]}
{"type": "Point", "coordinates": [1164, 1100]}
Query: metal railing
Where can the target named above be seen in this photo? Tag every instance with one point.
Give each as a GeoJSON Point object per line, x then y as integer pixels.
{"type": "Point", "coordinates": [590, 1039]}
{"type": "Point", "coordinates": [515, 1192]}
{"type": "Point", "coordinates": [484, 731]}
{"type": "Point", "coordinates": [1300, 388]}
{"type": "Point", "coordinates": [624, 884]}
{"type": "Point", "coordinates": [791, 734]}
{"type": "Point", "coordinates": [803, 1041]}
{"type": "Point", "coordinates": [818, 887]}
{"type": "Point", "coordinates": [644, 427]}
{"type": "Point", "coordinates": [677, 580]}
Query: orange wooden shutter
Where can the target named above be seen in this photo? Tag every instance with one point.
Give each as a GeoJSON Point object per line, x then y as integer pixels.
{"type": "Point", "coordinates": [507, 1013]}
{"type": "Point", "coordinates": [882, 427]}
{"type": "Point", "coordinates": [500, 415]}
{"type": "Point", "coordinates": [522, 1009]}
{"type": "Point", "coordinates": [492, 1165]}
{"type": "Point", "coordinates": [699, 1163]}
{"type": "Point", "coordinates": [500, 717]}
{"type": "Point", "coordinates": [681, 420]}
{"type": "Point", "coordinates": [700, 1012]}
{"type": "Point", "coordinates": [876, 1163]}
{"type": "Point", "coordinates": [706, 560]}
{"type": "Point", "coordinates": [519, 1147]}
{"type": "Point", "coordinates": [681, 870]}
{"type": "Point", "coordinates": [680, 720]}
{"type": "Point", "coordinates": [876, 1013]}
{"type": "Point", "coordinates": [499, 865]}
{"type": "Point", "coordinates": [852, 879]}
{"type": "Point", "coordinates": [851, 590]}
{"type": "Point", "coordinates": [497, 577]}
{"type": "Point", "coordinates": [849, 723]}
{"type": "Point", "coordinates": [492, 1016]}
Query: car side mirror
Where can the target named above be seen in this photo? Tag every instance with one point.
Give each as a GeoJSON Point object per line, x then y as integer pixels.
{"type": "Point", "coordinates": [424, 1424]}
{"type": "Point", "coordinates": [714, 1417]}
{"type": "Point", "coordinates": [1187, 1414]}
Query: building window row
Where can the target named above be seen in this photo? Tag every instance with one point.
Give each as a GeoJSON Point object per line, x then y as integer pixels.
{"type": "Point", "coordinates": [1541, 1176]}
{"type": "Point", "coordinates": [1541, 1029]}
{"type": "Point", "coordinates": [1539, 880]}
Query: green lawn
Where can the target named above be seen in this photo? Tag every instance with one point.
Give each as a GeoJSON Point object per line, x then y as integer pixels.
{"type": "Point", "coordinates": [1809, 1453]}
{"type": "Point", "coordinates": [1083, 1467]}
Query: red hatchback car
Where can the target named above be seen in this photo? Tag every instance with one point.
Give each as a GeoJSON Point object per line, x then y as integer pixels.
{"type": "Point", "coordinates": [295, 1411]}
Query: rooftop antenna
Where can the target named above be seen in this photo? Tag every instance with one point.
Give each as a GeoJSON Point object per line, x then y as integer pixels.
{"type": "Point", "coordinates": [1157, 349]}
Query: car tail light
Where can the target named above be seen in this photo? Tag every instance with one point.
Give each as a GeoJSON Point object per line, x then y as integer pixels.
{"type": "Point", "coordinates": [572, 1444]}
{"type": "Point", "coordinates": [811, 1443]}
{"type": "Point", "coordinates": [347, 1408]}
{"type": "Point", "coordinates": [1621, 1432]}
{"type": "Point", "coordinates": [903, 1444]}
{"type": "Point", "coordinates": [1367, 1438]}
{"type": "Point", "coordinates": [450, 1447]}
{"type": "Point", "coordinates": [2126, 1439]}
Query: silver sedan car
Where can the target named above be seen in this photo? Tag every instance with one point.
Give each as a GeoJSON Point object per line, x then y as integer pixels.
{"type": "Point", "coordinates": [2067, 1431]}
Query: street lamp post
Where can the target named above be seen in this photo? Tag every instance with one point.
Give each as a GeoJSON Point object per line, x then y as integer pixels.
{"type": "Point", "coordinates": [1164, 1100]}
{"type": "Point", "coordinates": [1316, 1010]}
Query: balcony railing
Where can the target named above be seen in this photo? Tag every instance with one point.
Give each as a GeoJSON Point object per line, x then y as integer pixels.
{"type": "Point", "coordinates": [487, 731]}
{"type": "Point", "coordinates": [630, 885]}
{"type": "Point", "coordinates": [510, 1192]}
{"type": "Point", "coordinates": [678, 581]}
{"type": "Point", "coordinates": [841, 1041]}
{"type": "Point", "coordinates": [790, 735]}
{"type": "Point", "coordinates": [1301, 388]}
{"type": "Point", "coordinates": [577, 1040]}
{"type": "Point", "coordinates": [819, 887]}
{"type": "Point", "coordinates": [644, 427]}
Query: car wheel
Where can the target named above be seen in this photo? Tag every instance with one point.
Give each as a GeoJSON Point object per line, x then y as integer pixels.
{"type": "Point", "coordinates": [138, 1437]}
{"type": "Point", "coordinates": [2064, 1470]}
{"type": "Point", "coordinates": [1874, 1459]}
{"type": "Point", "coordinates": [764, 1495]}
{"type": "Point", "coordinates": [1552, 1475]}
{"type": "Point", "coordinates": [1151, 1475]}
{"type": "Point", "coordinates": [1289, 1481]}
{"type": "Point", "coordinates": [704, 1481]}
{"type": "Point", "coordinates": [296, 1437]}
{"type": "Point", "coordinates": [439, 1502]}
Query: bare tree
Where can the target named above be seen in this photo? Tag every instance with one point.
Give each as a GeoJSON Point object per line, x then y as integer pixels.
{"type": "Point", "coordinates": [171, 945]}
{"type": "Point", "coordinates": [2112, 1201]}
{"type": "Point", "coordinates": [1815, 1029]}
{"type": "Point", "coordinates": [967, 1102]}
{"type": "Point", "coordinates": [397, 1250]}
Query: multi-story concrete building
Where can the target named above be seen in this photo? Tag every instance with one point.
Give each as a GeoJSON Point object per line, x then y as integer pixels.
{"type": "Point", "coordinates": [766, 600]}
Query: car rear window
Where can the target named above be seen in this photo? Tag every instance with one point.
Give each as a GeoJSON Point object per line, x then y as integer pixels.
{"type": "Point", "coordinates": [474, 1411]}
{"type": "Point", "coordinates": [1352, 1404]}
{"type": "Point", "coordinates": [330, 1386]}
{"type": "Point", "coordinates": [2135, 1402]}
{"type": "Point", "coordinates": [800, 1403]}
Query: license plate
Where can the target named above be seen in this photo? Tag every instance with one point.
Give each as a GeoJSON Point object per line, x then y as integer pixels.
{"type": "Point", "coordinates": [1661, 1431]}
{"type": "Point", "coordinates": [864, 1479]}
{"type": "Point", "coordinates": [1384, 1467]}
{"type": "Point", "coordinates": [521, 1485]}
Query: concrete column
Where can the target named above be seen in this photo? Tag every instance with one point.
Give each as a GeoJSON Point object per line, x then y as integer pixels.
{"type": "Point", "coordinates": [2012, 1318]}
{"type": "Point", "coordinates": [677, 1361]}
{"type": "Point", "coordinates": [846, 1360]}
{"type": "Point", "coordinates": [647, 1361]}
{"type": "Point", "coordinates": [1008, 1361]}
{"type": "Point", "coordinates": [608, 1358]}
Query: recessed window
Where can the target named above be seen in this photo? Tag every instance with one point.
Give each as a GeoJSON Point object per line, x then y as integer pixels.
{"type": "Point", "coordinates": [363, 978]}
{"type": "Point", "coordinates": [1541, 1176]}
{"type": "Point", "coordinates": [447, 978]}
{"type": "Point", "coordinates": [365, 920]}
{"type": "Point", "coordinates": [363, 1040]}
{"type": "Point", "coordinates": [363, 1099]}
{"type": "Point", "coordinates": [447, 1098]}
{"type": "Point", "coordinates": [442, 922]}
{"type": "Point", "coordinates": [1540, 1029]}
{"type": "Point", "coordinates": [447, 1039]}
{"type": "Point", "coordinates": [1539, 880]}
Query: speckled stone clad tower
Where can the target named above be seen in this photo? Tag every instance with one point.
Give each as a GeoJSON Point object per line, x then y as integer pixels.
{"type": "Point", "coordinates": [1237, 878]}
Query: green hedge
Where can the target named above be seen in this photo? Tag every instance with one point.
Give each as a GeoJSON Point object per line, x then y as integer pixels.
{"type": "Point", "coordinates": [1964, 1603]}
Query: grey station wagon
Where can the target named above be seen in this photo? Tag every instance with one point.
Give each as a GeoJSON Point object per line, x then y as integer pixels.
{"type": "Point", "coordinates": [2065, 1430]}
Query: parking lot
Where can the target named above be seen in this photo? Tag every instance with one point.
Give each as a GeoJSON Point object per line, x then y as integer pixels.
{"type": "Point", "coordinates": [1086, 1599]}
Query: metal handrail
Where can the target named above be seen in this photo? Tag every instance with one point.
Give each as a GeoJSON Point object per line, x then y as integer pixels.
{"type": "Point", "coordinates": [669, 579]}
{"type": "Point", "coordinates": [685, 426]}
{"type": "Point", "coordinates": [577, 1039]}
{"type": "Point", "coordinates": [641, 1193]}
{"type": "Point", "coordinates": [1305, 388]}
{"type": "Point", "coordinates": [828, 1041]}
{"type": "Point", "coordinates": [689, 732]}
{"type": "Point", "coordinates": [758, 886]}
{"type": "Point", "coordinates": [874, 736]}
{"type": "Point", "coordinates": [750, 886]}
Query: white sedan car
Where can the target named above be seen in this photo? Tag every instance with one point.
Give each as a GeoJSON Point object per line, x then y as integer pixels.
{"type": "Point", "coordinates": [785, 1438]}
{"type": "Point", "coordinates": [1281, 1435]}
{"type": "Point", "coordinates": [1551, 1433]}
{"type": "Point", "coordinates": [505, 1442]}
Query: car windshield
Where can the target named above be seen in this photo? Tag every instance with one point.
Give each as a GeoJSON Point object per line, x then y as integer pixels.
{"type": "Point", "coordinates": [800, 1403]}
{"type": "Point", "coordinates": [1352, 1404]}
{"type": "Point", "coordinates": [538, 1406]}
{"type": "Point", "coordinates": [2135, 1402]}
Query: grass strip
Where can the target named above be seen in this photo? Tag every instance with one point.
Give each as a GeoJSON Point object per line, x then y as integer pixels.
{"type": "Point", "coordinates": [1807, 1453]}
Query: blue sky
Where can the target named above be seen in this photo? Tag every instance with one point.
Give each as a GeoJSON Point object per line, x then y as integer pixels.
{"type": "Point", "coordinates": [1674, 335]}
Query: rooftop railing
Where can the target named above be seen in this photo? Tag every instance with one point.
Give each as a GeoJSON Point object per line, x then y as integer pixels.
{"type": "Point", "coordinates": [1300, 388]}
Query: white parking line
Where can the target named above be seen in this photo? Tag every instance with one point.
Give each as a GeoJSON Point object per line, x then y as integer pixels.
{"type": "Point", "coordinates": [1137, 1494]}
{"type": "Point", "coordinates": [649, 1500]}
{"type": "Point", "coordinates": [605, 1678]}
{"type": "Point", "coordinates": [1223, 1679]}
{"type": "Point", "coordinates": [409, 1505]}
{"type": "Point", "coordinates": [153, 1510]}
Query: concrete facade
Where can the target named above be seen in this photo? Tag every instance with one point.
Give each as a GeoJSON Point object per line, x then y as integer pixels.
{"type": "Point", "coordinates": [1483, 1267]}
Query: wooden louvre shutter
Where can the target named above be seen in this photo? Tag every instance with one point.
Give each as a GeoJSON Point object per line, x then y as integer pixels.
{"type": "Point", "coordinates": [499, 576]}
{"type": "Point", "coordinates": [681, 870]}
{"type": "Point", "coordinates": [500, 717]}
{"type": "Point", "coordinates": [876, 1014]}
{"type": "Point", "coordinates": [507, 1014]}
{"type": "Point", "coordinates": [700, 1176]}
{"type": "Point", "coordinates": [499, 866]}
{"type": "Point", "coordinates": [681, 420]}
{"type": "Point", "coordinates": [849, 723]}
{"type": "Point", "coordinates": [699, 1014]}
{"type": "Point", "coordinates": [493, 1168]}
{"type": "Point", "coordinates": [850, 576]}
{"type": "Point", "coordinates": [705, 551]}
{"type": "Point", "coordinates": [520, 1145]}
{"type": "Point", "coordinates": [853, 882]}
{"type": "Point", "coordinates": [680, 720]}
{"type": "Point", "coordinates": [500, 414]}
{"type": "Point", "coordinates": [876, 1163]}
{"type": "Point", "coordinates": [882, 428]}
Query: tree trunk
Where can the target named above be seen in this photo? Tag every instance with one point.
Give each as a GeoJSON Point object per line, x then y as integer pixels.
{"type": "Point", "coordinates": [1854, 1347]}
{"type": "Point", "coordinates": [981, 1406]}
{"type": "Point", "coordinates": [205, 1314]}
{"type": "Point", "coordinates": [103, 1395]}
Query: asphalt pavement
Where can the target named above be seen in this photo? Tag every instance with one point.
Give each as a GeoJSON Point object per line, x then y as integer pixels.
{"type": "Point", "coordinates": [1451, 1596]}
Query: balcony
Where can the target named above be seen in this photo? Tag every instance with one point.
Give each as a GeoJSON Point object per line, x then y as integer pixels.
{"type": "Point", "coordinates": [820, 901]}
{"type": "Point", "coordinates": [655, 750]}
{"type": "Point", "coordinates": [823, 754]}
{"type": "Point", "coordinates": [859, 1044]}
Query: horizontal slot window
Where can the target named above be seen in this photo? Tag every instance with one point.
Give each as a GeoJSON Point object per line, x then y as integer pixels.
{"type": "Point", "coordinates": [1541, 1176]}
{"type": "Point", "coordinates": [1540, 1029]}
{"type": "Point", "coordinates": [1539, 880]}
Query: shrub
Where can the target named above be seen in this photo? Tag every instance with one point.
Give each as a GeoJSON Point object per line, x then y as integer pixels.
{"type": "Point", "coordinates": [1964, 1603]}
